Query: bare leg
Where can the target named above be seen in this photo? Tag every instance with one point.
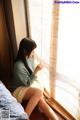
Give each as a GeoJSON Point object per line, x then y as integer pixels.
{"type": "Point", "coordinates": [47, 110]}
{"type": "Point", "coordinates": [33, 95]}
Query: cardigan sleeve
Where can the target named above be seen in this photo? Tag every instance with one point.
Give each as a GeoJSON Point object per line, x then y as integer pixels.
{"type": "Point", "coordinates": [22, 74]}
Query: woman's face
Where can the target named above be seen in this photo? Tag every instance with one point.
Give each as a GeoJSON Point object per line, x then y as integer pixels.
{"type": "Point", "coordinates": [32, 54]}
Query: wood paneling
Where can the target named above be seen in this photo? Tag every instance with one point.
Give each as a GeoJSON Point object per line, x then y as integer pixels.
{"type": "Point", "coordinates": [4, 45]}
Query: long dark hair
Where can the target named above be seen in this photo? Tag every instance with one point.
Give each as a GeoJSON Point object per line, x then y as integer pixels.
{"type": "Point", "coordinates": [25, 48]}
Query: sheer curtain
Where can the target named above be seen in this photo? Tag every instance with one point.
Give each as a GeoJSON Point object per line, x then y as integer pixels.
{"type": "Point", "coordinates": [53, 48]}
{"type": "Point", "coordinates": [40, 21]}
{"type": "Point", "coordinates": [57, 36]}
{"type": "Point", "coordinates": [68, 58]}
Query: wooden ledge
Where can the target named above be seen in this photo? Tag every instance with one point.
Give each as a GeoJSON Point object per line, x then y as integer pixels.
{"type": "Point", "coordinates": [57, 107]}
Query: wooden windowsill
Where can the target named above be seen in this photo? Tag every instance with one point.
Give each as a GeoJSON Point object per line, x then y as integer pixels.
{"type": "Point", "coordinates": [58, 108]}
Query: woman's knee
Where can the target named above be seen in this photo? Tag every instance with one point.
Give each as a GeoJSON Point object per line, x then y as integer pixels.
{"type": "Point", "coordinates": [39, 92]}
{"type": "Point", "coordinates": [33, 92]}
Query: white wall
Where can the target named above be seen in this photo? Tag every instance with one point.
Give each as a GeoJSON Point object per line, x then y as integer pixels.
{"type": "Point", "coordinates": [19, 19]}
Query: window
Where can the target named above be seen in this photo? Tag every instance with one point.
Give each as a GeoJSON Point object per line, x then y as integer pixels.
{"type": "Point", "coordinates": [68, 58]}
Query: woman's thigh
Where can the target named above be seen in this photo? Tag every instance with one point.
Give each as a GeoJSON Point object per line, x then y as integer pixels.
{"type": "Point", "coordinates": [31, 91]}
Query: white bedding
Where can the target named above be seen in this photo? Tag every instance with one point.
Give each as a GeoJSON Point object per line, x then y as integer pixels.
{"type": "Point", "coordinates": [8, 102]}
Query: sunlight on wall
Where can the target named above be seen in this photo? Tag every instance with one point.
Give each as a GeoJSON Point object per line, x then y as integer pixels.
{"type": "Point", "coordinates": [19, 19]}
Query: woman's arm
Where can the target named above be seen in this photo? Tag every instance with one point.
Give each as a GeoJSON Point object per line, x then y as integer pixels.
{"type": "Point", "coordinates": [22, 74]}
{"type": "Point", "coordinates": [38, 68]}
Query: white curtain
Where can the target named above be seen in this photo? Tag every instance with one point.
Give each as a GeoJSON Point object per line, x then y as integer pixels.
{"type": "Point", "coordinates": [40, 22]}
{"type": "Point", "coordinates": [68, 58]}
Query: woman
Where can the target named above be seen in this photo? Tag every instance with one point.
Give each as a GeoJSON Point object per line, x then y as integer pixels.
{"type": "Point", "coordinates": [24, 78]}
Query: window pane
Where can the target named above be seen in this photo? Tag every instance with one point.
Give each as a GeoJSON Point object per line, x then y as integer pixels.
{"type": "Point", "coordinates": [68, 57]}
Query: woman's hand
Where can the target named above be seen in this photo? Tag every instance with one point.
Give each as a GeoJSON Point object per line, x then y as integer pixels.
{"type": "Point", "coordinates": [38, 68]}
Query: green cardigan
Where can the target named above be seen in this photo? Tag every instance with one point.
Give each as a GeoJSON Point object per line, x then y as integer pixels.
{"type": "Point", "coordinates": [21, 76]}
